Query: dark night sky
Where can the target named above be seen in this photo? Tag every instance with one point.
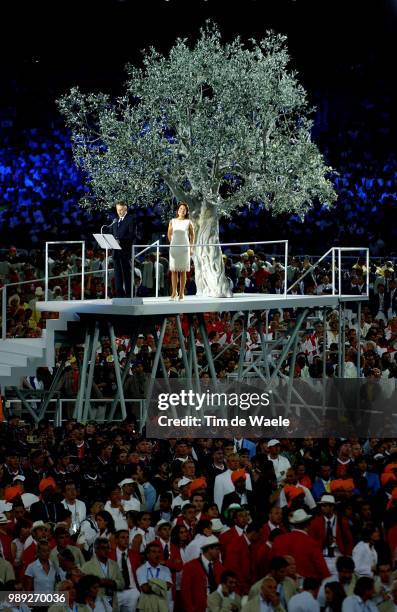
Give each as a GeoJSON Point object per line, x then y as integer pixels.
{"type": "Point", "coordinates": [47, 47]}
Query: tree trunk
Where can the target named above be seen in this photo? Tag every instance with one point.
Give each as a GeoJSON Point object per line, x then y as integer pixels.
{"type": "Point", "coordinates": [209, 267]}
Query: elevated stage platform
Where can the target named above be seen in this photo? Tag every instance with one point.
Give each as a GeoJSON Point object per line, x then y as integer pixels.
{"type": "Point", "coordinates": [161, 306]}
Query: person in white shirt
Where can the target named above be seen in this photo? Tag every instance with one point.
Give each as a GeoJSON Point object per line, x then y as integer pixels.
{"type": "Point", "coordinates": [280, 463]}
{"type": "Point", "coordinates": [128, 501]}
{"type": "Point", "coordinates": [203, 531]}
{"type": "Point", "coordinates": [364, 554]}
{"type": "Point", "coordinates": [115, 508]}
{"type": "Point", "coordinates": [40, 576]}
{"type": "Point", "coordinates": [143, 534]}
{"type": "Point", "coordinates": [223, 482]}
{"type": "Point", "coordinates": [361, 600]}
{"type": "Point", "coordinates": [76, 506]}
{"type": "Point", "coordinates": [89, 529]}
{"type": "Point", "coordinates": [153, 569]}
{"type": "Point", "coordinates": [128, 597]}
{"type": "Point", "coordinates": [306, 601]}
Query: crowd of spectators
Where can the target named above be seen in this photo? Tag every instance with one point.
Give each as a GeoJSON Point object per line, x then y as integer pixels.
{"type": "Point", "coordinates": [121, 522]}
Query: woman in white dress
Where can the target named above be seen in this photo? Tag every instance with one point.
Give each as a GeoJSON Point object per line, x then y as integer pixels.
{"type": "Point", "coordinates": [181, 237]}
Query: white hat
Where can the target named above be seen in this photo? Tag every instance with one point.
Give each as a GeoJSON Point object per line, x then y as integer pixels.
{"type": "Point", "coordinates": [161, 523]}
{"type": "Point", "coordinates": [3, 519]}
{"type": "Point", "coordinates": [39, 291]}
{"type": "Point", "coordinates": [19, 477]}
{"type": "Point", "coordinates": [126, 481]}
{"type": "Point", "coordinates": [216, 525]}
{"type": "Point", "coordinates": [184, 481]}
{"type": "Point", "coordinates": [209, 541]}
{"type": "Point", "coordinates": [273, 442]}
{"type": "Point", "coordinates": [37, 524]}
{"type": "Point", "coordinates": [327, 499]}
{"type": "Point", "coordinates": [8, 507]}
{"type": "Point", "coordinates": [185, 503]}
{"type": "Point", "coordinates": [132, 505]}
{"type": "Point", "coordinates": [299, 516]}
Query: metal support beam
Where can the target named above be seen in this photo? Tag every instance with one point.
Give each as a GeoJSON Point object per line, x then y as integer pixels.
{"type": "Point", "coordinates": [324, 357]}
{"type": "Point", "coordinates": [117, 370]}
{"type": "Point", "coordinates": [359, 339]}
{"type": "Point", "coordinates": [264, 341]}
{"type": "Point", "coordinates": [289, 344]}
{"type": "Point", "coordinates": [123, 378]}
{"type": "Point", "coordinates": [188, 373]}
{"type": "Point", "coordinates": [52, 390]}
{"type": "Point", "coordinates": [27, 405]}
{"type": "Point", "coordinates": [78, 410]}
{"type": "Point", "coordinates": [87, 404]}
{"type": "Point", "coordinates": [243, 343]}
{"type": "Point", "coordinates": [156, 361]}
{"type": "Point", "coordinates": [194, 354]}
{"type": "Point", "coordinates": [207, 348]}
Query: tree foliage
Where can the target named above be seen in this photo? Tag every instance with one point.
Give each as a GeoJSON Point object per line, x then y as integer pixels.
{"type": "Point", "coordinates": [220, 123]}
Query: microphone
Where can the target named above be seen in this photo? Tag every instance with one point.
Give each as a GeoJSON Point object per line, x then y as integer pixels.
{"type": "Point", "coordinates": [110, 225]}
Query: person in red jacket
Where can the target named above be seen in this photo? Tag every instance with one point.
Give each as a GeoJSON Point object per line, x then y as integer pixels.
{"type": "Point", "coordinates": [238, 557]}
{"type": "Point", "coordinates": [308, 556]}
{"type": "Point", "coordinates": [201, 577]}
{"type": "Point", "coordinates": [332, 533]}
{"type": "Point", "coordinates": [39, 531]}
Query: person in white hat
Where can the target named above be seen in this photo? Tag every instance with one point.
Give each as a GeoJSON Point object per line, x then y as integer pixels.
{"type": "Point", "coordinates": [163, 537]}
{"type": "Point", "coordinates": [280, 463]}
{"type": "Point", "coordinates": [298, 543]}
{"type": "Point", "coordinates": [28, 499]}
{"type": "Point", "coordinates": [201, 577]}
{"type": "Point", "coordinates": [128, 500]}
{"type": "Point", "coordinates": [332, 533]}
{"type": "Point", "coordinates": [184, 495]}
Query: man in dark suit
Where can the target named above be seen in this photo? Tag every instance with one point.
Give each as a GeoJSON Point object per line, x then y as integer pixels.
{"type": "Point", "coordinates": [123, 231]}
{"type": "Point", "coordinates": [240, 495]}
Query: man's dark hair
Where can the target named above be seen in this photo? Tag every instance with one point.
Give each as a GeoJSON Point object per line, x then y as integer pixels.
{"type": "Point", "coordinates": [278, 563]}
{"type": "Point", "coordinates": [67, 555]}
{"type": "Point", "coordinates": [364, 584]}
{"type": "Point", "coordinates": [344, 563]}
{"type": "Point", "coordinates": [227, 574]}
{"type": "Point", "coordinates": [150, 546]}
{"type": "Point", "coordinates": [119, 532]}
{"type": "Point", "coordinates": [203, 524]}
{"type": "Point", "coordinates": [311, 584]}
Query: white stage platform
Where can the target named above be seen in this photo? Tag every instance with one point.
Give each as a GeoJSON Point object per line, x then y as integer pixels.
{"type": "Point", "coordinates": [192, 304]}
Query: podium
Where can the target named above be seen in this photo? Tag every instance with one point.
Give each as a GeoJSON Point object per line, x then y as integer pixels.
{"type": "Point", "coordinates": [106, 242]}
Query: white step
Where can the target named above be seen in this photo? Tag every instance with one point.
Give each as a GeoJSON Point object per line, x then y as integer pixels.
{"type": "Point", "coordinates": [14, 359]}
{"type": "Point", "coordinates": [30, 347]}
{"type": "Point", "coordinates": [5, 370]}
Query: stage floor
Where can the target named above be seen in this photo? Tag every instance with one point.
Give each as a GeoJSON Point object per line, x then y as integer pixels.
{"type": "Point", "coordinates": [192, 304]}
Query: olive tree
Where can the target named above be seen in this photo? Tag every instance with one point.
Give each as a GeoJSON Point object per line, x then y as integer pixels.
{"type": "Point", "coordinates": [217, 125]}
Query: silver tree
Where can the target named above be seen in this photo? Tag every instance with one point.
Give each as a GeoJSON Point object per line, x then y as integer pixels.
{"type": "Point", "coordinates": [216, 125]}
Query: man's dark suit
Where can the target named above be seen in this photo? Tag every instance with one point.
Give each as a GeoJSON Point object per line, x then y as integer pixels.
{"type": "Point", "coordinates": [123, 231]}
{"type": "Point", "coordinates": [234, 498]}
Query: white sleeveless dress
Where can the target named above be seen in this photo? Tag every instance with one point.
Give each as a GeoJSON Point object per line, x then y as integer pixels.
{"type": "Point", "coordinates": [180, 246]}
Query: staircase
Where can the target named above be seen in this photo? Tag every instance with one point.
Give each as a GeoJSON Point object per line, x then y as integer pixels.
{"type": "Point", "coordinates": [20, 357]}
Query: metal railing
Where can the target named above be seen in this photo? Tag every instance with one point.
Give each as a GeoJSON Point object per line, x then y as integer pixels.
{"type": "Point", "coordinates": [147, 247]}
{"type": "Point", "coordinates": [60, 403]}
{"type": "Point", "coordinates": [333, 253]}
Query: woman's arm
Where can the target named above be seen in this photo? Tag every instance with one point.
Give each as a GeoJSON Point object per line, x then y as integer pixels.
{"type": "Point", "coordinates": [191, 236]}
{"type": "Point", "coordinates": [169, 233]}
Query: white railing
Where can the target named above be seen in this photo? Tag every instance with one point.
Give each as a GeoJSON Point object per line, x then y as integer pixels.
{"type": "Point", "coordinates": [334, 252]}
{"type": "Point", "coordinates": [146, 247]}
{"type": "Point", "coordinates": [59, 408]}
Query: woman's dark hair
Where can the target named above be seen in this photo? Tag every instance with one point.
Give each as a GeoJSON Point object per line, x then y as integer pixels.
{"type": "Point", "coordinates": [186, 206]}
{"type": "Point", "coordinates": [83, 587]}
{"type": "Point", "coordinates": [107, 517]}
{"type": "Point", "coordinates": [338, 595]}
{"type": "Point", "coordinates": [175, 534]}
{"type": "Point", "coordinates": [21, 524]}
